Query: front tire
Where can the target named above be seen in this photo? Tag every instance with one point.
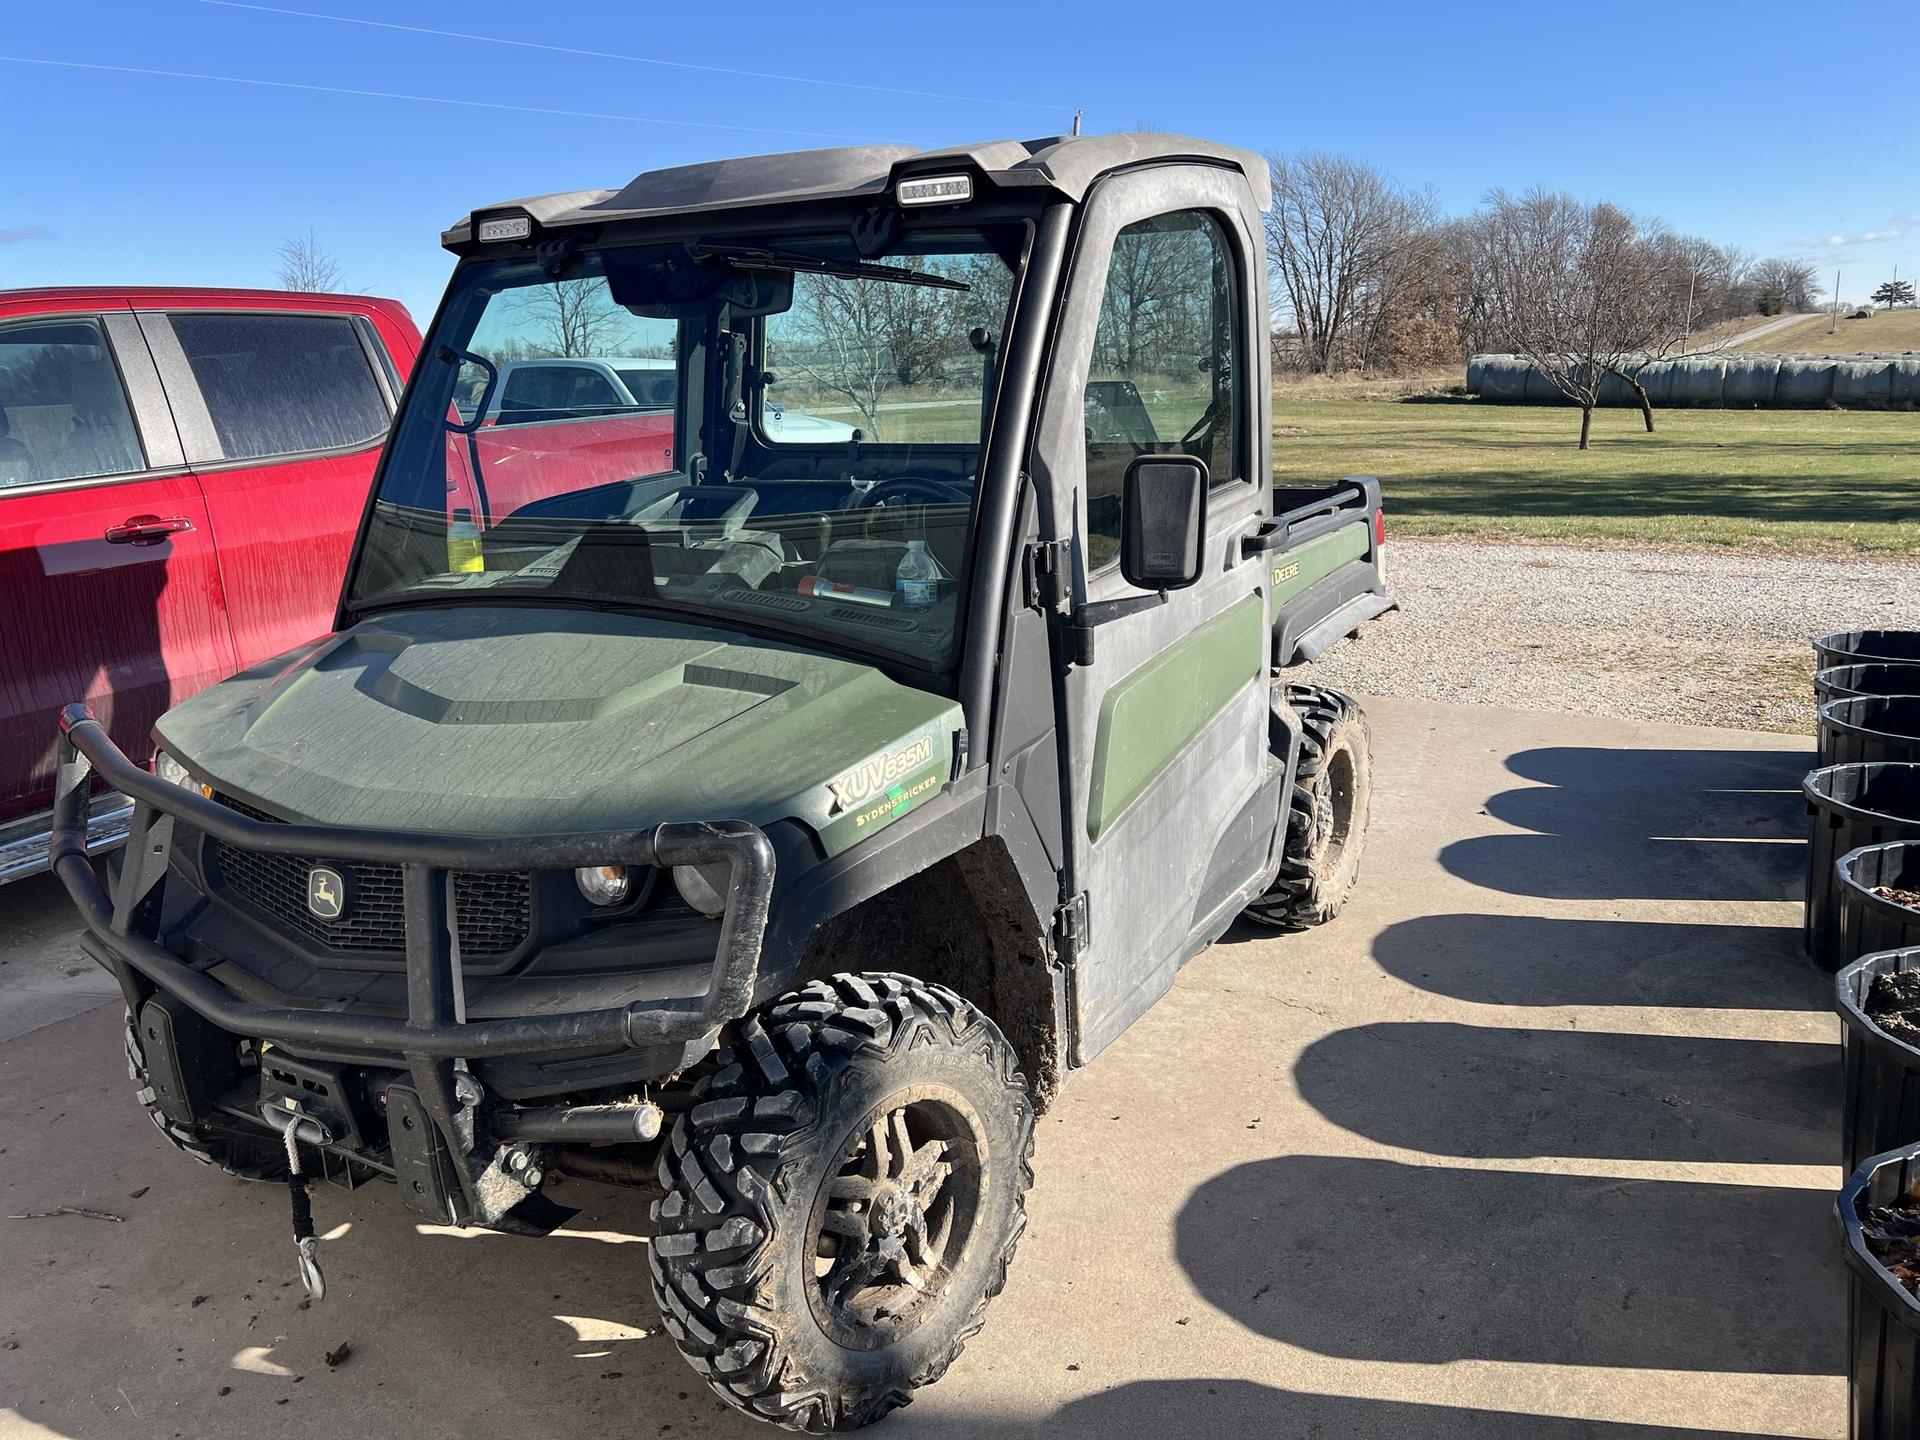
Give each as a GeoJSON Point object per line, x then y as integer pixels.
{"type": "Point", "coordinates": [239, 1152]}
{"type": "Point", "coordinates": [844, 1195]}
{"type": "Point", "coordinates": [1327, 812]}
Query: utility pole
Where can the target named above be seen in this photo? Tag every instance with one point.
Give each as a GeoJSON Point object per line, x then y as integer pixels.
{"type": "Point", "coordinates": [1834, 323]}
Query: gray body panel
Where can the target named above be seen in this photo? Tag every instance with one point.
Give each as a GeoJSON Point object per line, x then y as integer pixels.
{"type": "Point", "coordinates": [1066, 165]}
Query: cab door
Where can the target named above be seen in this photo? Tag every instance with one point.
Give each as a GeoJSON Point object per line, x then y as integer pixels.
{"type": "Point", "coordinates": [1172, 798]}
{"type": "Point", "coordinates": [109, 586]}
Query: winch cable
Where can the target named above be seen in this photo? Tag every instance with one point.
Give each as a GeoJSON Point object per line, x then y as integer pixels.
{"type": "Point", "coordinates": [300, 1191]}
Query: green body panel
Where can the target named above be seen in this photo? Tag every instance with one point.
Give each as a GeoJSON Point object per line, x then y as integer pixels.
{"type": "Point", "coordinates": [523, 721]}
{"type": "Point", "coordinates": [1312, 562]}
{"type": "Point", "coordinates": [1148, 717]}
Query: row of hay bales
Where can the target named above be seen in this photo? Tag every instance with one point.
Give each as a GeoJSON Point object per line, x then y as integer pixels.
{"type": "Point", "coordinates": [1737, 380]}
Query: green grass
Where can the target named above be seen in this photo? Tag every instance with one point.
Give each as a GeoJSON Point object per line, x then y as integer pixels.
{"type": "Point", "coordinates": [1822, 480]}
{"type": "Point", "coordinates": [1888, 330]}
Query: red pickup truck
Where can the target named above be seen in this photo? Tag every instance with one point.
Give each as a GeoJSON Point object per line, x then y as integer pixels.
{"type": "Point", "coordinates": [181, 476]}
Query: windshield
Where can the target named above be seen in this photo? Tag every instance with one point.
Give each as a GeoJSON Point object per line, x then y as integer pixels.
{"type": "Point", "coordinates": [778, 429]}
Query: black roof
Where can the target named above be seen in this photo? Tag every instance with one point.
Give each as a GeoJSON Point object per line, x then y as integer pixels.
{"type": "Point", "coordinates": [1067, 165]}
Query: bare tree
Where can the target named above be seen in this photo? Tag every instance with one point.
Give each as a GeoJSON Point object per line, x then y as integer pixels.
{"type": "Point", "coordinates": [304, 265]}
{"type": "Point", "coordinates": [1784, 286]}
{"type": "Point", "coordinates": [916, 320]}
{"type": "Point", "coordinates": [1583, 291]}
{"type": "Point", "coordinates": [1336, 241]}
{"type": "Point", "coordinates": [1157, 302]}
{"type": "Point", "coordinates": [574, 317]}
{"type": "Point", "coordinates": [840, 342]}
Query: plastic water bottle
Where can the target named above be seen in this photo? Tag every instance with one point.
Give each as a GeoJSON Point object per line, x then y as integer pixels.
{"type": "Point", "coordinates": [918, 578]}
{"type": "Point", "coordinates": [464, 555]}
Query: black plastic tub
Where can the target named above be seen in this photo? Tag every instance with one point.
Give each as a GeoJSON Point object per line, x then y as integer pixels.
{"type": "Point", "coordinates": [1851, 806]}
{"type": "Point", "coordinates": [1883, 1321]}
{"type": "Point", "coordinates": [1870, 923]}
{"type": "Point", "coordinates": [1870, 728]}
{"type": "Point", "coordinates": [1880, 1103]}
{"type": "Point", "coordinates": [1876, 677]}
{"type": "Point", "coordinates": [1851, 647]}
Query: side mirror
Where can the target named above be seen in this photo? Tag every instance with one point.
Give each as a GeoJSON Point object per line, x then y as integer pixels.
{"type": "Point", "coordinates": [1163, 521]}
{"type": "Point", "coordinates": [447, 355]}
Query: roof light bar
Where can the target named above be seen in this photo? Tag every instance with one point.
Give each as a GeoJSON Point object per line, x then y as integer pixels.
{"type": "Point", "coordinates": [508, 227]}
{"type": "Point", "coordinates": [935, 190]}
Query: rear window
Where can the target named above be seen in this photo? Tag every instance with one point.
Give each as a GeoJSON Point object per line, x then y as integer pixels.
{"type": "Point", "coordinates": [282, 384]}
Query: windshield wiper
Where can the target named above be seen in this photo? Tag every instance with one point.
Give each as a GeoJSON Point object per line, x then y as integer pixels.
{"type": "Point", "coordinates": [758, 257]}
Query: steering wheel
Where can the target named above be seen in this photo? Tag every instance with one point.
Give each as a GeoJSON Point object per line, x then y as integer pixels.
{"type": "Point", "coordinates": [914, 490]}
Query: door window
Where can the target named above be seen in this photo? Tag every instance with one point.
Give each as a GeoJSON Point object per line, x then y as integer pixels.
{"type": "Point", "coordinates": [538, 391]}
{"type": "Point", "coordinates": [63, 411]}
{"type": "Point", "coordinates": [1162, 378]}
{"type": "Point", "coordinates": [282, 384]}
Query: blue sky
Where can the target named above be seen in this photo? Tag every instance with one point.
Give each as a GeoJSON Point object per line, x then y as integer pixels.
{"type": "Point", "coordinates": [1702, 114]}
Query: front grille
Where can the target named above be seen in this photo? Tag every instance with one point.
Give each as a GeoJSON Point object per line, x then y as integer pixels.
{"type": "Point", "coordinates": [493, 911]}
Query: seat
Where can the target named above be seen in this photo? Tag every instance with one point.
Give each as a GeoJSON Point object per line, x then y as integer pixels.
{"type": "Point", "coordinates": [16, 460]}
{"type": "Point", "coordinates": [101, 439]}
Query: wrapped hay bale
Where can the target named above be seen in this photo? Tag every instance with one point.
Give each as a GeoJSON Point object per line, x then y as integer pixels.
{"type": "Point", "coordinates": [1657, 381]}
{"type": "Point", "coordinates": [1750, 380]}
{"type": "Point", "coordinates": [1503, 378]}
{"type": "Point", "coordinates": [1476, 371]}
{"type": "Point", "coordinates": [1697, 380]}
{"type": "Point", "coordinates": [1616, 391]}
{"type": "Point", "coordinates": [1863, 384]}
{"type": "Point", "coordinates": [1804, 382]}
{"type": "Point", "coordinates": [1541, 390]}
{"type": "Point", "coordinates": [1904, 387]}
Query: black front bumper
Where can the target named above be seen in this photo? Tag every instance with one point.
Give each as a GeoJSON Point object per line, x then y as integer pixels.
{"type": "Point", "coordinates": [119, 929]}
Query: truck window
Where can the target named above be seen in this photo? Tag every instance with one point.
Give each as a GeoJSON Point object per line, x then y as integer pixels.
{"type": "Point", "coordinates": [282, 384]}
{"type": "Point", "coordinates": [558, 392]}
{"type": "Point", "coordinates": [1161, 380]}
{"type": "Point", "coordinates": [652, 389]}
{"type": "Point", "coordinates": [63, 412]}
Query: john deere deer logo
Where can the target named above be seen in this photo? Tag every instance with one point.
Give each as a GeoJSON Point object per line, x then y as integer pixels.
{"type": "Point", "coordinates": [326, 893]}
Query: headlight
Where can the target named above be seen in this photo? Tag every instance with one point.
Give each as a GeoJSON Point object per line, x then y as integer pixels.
{"type": "Point", "coordinates": [704, 887]}
{"type": "Point", "coordinates": [166, 768]}
{"type": "Point", "coordinates": [603, 884]}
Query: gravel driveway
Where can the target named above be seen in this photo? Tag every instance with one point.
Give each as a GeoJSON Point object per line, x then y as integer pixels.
{"type": "Point", "coordinates": [1686, 637]}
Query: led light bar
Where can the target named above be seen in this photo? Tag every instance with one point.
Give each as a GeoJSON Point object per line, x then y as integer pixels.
{"type": "Point", "coordinates": [935, 190]}
{"type": "Point", "coordinates": [511, 227]}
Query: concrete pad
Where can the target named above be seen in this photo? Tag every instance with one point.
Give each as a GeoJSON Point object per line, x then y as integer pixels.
{"type": "Point", "coordinates": [43, 976]}
{"type": "Point", "coordinates": [1537, 1141]}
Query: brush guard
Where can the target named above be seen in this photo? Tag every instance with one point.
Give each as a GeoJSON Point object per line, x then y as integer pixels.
{"type": "Point", "coordinates": [433, 1039]}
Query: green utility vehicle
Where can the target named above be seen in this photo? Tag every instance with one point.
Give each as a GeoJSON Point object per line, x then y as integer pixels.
{"type": "Point", "coordinates": [779, 809]}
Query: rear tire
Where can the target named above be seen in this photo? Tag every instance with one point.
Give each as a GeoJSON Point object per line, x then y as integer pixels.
{"type": "Point", "coordinates": [844, 1194]}
{"type": "Point", "coordinates": [236, 1151]}
{"type": "Point", "coordinates": [1326, 814]}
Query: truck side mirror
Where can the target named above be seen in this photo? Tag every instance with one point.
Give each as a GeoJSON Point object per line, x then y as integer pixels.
{"type": "Point", "coordinates": [1163, 521]}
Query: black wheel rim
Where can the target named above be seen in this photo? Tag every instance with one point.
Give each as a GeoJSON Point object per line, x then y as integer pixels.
{"type": "Point", "coordinates": [894, 1220]}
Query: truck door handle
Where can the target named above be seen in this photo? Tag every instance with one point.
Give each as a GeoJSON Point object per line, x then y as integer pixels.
{"type": "Point", "coordinates": [147, 529]}
{"type": "Point", "coordinates": [1270, 536]}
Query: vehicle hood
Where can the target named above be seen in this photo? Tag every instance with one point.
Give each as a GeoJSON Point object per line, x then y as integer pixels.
{"type": "Point", "coordinates": [522, 721]}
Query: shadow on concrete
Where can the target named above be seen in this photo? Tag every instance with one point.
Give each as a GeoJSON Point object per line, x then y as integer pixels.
{"type": "Point", "coordinates": [1533, 960]}
{"type": "Point", "coordinates": [1467, 1090]}
{"type": "Point", "coordinates": [1645, 825]}
{"type": "Point", "coordinates": [1205, 1409]}
{"type": "Point", "coordinates": [1375, 1260]}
